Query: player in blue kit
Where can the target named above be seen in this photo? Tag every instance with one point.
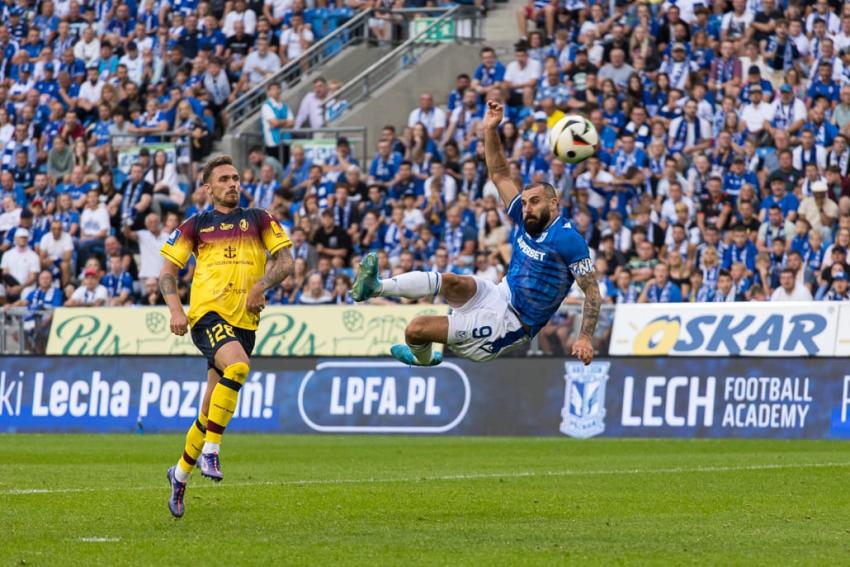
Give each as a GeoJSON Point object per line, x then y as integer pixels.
{"type": "Point", "coordinates": [488, 320]}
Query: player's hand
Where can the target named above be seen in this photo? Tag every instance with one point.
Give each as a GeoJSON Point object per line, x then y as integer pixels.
{"type": "Point", "coordinates": [583, 350]}
{"type": "Point", "coordinates": [256, 300]}
{"type": "Point", "coordinates": [495, 113]}
{"type": "Point", "coordinates": [179, 323]}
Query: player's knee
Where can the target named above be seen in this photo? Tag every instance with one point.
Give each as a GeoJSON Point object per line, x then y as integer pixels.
{"type": "Point", "coordinates": [235, 375]}
{"type": "Point", "coordinates": [415, 331]}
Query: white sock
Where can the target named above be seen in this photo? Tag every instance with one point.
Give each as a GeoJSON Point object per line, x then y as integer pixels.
{"type": "Point", "coordinates": [179, 474]}
{"type": "Point", "coordinates": [422, 353]}
{"type": "Point", "coordinates": [412, 285]}
{"type": "Point", "coordinates": [210, 448]}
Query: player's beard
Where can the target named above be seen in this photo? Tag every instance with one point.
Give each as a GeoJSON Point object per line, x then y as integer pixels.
{"type": "Point", "coordinates": [229, 200]}
{"type": "Point", "coordinates": [536, 224]}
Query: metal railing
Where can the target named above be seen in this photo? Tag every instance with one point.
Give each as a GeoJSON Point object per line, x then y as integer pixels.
{"type": "Point", "coordinates": [357, 136]}
{"type": "Point", "coordinates": [355, 30]}
{"type": "Point", "coordinates": [457, 24]}
{"type": "Point", "coordinates": [563, 329]}
{"type": "Point", "coordinates": [23, 331]}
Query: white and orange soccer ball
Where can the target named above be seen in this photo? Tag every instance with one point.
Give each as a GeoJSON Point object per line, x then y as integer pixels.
{"type": "Point", "coordinates": [573, 139]}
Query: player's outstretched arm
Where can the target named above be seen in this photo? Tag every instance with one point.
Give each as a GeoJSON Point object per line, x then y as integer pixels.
{"type": "Point", "coordinates": [168, 287]}
{"type": "Point", "coordinates": [277, 269]}
{"type": "Point", "coordinates": [497, 165]}
{"type": "Point", "coordinates": [583, 347]}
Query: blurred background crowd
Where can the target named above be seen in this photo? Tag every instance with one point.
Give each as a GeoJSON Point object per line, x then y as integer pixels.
{"type": "Point", "coordinates": [722, 172]}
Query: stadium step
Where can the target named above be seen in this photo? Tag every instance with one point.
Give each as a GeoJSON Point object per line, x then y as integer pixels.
{"type": "Point", "coordinates": [343, 67]}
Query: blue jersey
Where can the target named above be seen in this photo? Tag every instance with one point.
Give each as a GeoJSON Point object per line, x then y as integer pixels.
{"type": "Point", "coordinates": [543, 267]}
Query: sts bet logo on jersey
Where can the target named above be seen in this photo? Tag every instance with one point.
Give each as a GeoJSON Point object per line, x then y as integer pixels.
{"type": "Point", "coordinates": [583, 415]}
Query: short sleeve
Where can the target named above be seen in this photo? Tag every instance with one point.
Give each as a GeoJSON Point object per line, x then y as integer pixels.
{"type": "Point", "coordinates": [180, 244]}
{"type": "Point", "coordinates": [515, 209]}
{"type": "Point", "coordinates": [273, 236]}
{"type": "Point", "coordinates": [576, 254]}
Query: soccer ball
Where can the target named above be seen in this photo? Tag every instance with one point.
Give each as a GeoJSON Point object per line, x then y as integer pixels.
{"type": "Point", "coordinates": [573, 139]}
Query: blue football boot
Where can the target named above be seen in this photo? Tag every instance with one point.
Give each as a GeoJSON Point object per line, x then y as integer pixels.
{"type": "Point", "coordinates": [178, 491]}
{"type": "Point", "coordinates": [402, 353]}
{"type": "Point", "coordinates": [210, 466]}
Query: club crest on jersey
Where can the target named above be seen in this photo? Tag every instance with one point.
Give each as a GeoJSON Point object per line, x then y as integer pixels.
{"type": "Point", "coordinates": [172, 238]}
{"type": "Point", "coordinates": [243, 225]}
{"type": "Point", "coordinates": [529, 251]}
{"type": "Point", "coordinates": [583, 415]}
{"type": "Point", "coordinates": [225, 226]}
{"type": "Point", "coordinates": [275, 227]}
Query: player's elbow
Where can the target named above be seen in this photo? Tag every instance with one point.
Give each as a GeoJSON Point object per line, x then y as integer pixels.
{"type": "Point", "coordinates": [168, 268]}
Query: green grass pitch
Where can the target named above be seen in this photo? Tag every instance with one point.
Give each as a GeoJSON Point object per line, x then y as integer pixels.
{"type": "Point", "coordinates": [92, 499]}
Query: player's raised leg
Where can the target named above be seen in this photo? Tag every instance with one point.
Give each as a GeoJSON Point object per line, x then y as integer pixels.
{"type": "Point", "coordinates": [420, 336]}
{"type": "Point", "coordinates": [422, 332]}
{"type": "Point", "coordinates": [232, 358]}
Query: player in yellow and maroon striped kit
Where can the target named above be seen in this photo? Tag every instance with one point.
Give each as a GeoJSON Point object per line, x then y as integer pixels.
{"type": "Point", "coordinates": [233, 270]}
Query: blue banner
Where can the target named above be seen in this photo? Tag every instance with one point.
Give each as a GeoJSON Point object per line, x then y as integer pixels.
{"type": "Point", "coordinates": [619, 397]}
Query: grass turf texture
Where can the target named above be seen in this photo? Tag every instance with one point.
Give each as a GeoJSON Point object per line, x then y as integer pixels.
{"type": "Point", "coordinates": [425, 501]}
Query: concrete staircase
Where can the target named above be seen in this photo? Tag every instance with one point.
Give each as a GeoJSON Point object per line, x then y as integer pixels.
{"type": "Point", "coordinates": [435, 72]}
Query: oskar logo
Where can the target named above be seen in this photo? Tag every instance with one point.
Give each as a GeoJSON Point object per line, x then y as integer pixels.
{"type": "Point", "coordinates": [732, 333]}
{"type": "Point", "coordinates": [226, 226]}
{"type": "Point", "coordinates": [383, 397]}
{"type": "Point", "coordinates": [583, 415]}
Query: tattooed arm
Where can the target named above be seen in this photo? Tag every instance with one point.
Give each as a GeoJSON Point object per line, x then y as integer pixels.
{"type": "Point", "coordinates": [277, 269]}
{"type": "Point", "coordinates": [583, 347]}
{"type": "Point", "coordinates": [168, 287]}
{"type": "Point", "coordinates": [497, 165]}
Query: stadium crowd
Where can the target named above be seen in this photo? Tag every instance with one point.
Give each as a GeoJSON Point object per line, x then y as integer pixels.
{"type": "Point", "coordinates": [723, 172]}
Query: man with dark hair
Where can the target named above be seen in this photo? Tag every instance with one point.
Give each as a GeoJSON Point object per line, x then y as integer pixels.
{"type": "Point", "coordinates": [232, 275]}
{"type": "Point", "coordinates": [790, 289]}
{"type": "Point", "coordinates": [489, 74]}
{"type": "Point", "coordinates": [522, 72]}
{"type": "Point", "coordinates": [726, 289]}
{"type": "Point", "coordinates": [137, 200]}
{"type": "Point", "coordinates": [489, 320]}
{"type": "Point", "coordinates": [332, 240]}
{"type": "Point", "coordinates": [311, 113]}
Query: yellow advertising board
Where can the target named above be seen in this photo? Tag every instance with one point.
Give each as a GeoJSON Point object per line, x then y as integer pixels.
{"type": "Point", "coordinates": [329, 330]}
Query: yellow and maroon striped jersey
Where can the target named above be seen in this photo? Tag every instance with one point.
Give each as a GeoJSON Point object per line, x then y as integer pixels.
{"type": "Point", "coordinates": [230, 251]}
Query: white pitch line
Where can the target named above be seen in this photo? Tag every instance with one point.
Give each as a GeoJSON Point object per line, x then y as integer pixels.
{"type": "Point", "coordinates": [100, 539]}
{"type": "Point", "coordinates": [442, 478]}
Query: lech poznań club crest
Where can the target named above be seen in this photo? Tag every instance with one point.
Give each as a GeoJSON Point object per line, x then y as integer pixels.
{"type": "Point", "coordinates": [584, 400]}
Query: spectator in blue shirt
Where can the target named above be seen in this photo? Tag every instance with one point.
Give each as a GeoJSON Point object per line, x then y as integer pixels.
{"type": "Point", "coordinates": [489, 73]}
{"type": "Point", "coordinates": [531, 165]}
{"type": "Point", "coordinates": [462, 83]}
{"type": "Point", "coordinates": [780, 197]}
{"type": "Point", "coordinates": [122, 24]}
{"type": "Point", "coordinates": [118, 283]}
{"type": "Point", "coordinates": [742, 250]}
{"type": "Point", "coordinates": [737, 177]}
{"type": "Point", "coordinates": [405, 182]}
{"type": "Point", "coordinates": [384, 166]}
{"type": "Point", "coordinates": [298, 170]}
{"type": "Point", "coordinates": [823, 131]}
{"type": "Point", "coordinates": [48, 85]}
{"type": "Point", "coordinates": [660, 289]}
{"type": "Point", "coordinates": [45, 296]}
{"type": "Point", "coordinates": [823, 85]}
